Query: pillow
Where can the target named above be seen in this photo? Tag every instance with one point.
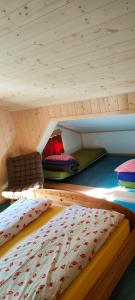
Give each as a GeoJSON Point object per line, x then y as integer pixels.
{"type": "Point", "coordinates": [126, 176]}
{"type": "Point", "coordinates": [63, 162]}
{"type": "Point", "coordinates": [18, 215]}
{"type": "Point", "coordinates": [60, 158]}
{"type": "Point", "coordinates": [128, 166]}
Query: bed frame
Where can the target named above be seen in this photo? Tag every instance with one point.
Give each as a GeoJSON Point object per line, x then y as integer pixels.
{"type": "Point", "coordinates": [110, 277]}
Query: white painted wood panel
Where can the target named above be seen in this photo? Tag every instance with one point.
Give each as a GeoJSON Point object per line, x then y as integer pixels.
{"type": "Point", "coordinates": [71, 140]}
{"type": "Point", "coordinates": [113, 142]}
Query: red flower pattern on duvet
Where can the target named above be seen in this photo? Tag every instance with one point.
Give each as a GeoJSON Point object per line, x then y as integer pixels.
{"type": "Point", "coordinates": [44, 264]}
{"type": "Point", "coordinates": [20, 214]}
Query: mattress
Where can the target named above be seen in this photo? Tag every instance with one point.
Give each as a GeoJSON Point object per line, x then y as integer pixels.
{"type": "Point", "coordinates": [57, 175]}
{"type": "Point", "coordinates": [82, 284]}
{"type": "Point", "coordinates": [32, 227]}
{"type": "Point", "coordinates": [85, 157]}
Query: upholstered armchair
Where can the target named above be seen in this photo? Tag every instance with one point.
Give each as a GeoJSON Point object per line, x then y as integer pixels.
{"type": "Point", "coordinates": [25, 174]}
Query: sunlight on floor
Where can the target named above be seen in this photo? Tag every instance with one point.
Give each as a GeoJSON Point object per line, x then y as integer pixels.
{"type": "Point", "coordinates": [116, 193]}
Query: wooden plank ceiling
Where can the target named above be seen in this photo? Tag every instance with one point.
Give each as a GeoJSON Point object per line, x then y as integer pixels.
{"type": "Point", "coordinates": [59, 51]}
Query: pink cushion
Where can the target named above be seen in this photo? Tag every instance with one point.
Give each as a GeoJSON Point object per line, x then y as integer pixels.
{"type": "Point", "coordinates": [128, 166]}
{"type": "Point", "coordinates": [63, 157]}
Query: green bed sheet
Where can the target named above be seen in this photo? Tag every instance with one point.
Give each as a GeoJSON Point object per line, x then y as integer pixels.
{"type": "Point", "coordinates": [85, 157]}
{"type": "Point", "coordinates": [127, 184]}
{"type": "Point", "coordinates": [88, 155]}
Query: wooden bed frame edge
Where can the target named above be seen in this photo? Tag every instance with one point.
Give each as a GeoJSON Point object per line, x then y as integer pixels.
{"type": "Point", "coordinates": [67, 198]}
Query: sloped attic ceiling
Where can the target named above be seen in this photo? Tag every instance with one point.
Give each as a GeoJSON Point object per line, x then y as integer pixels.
{"type": "Point", "coordinates": [58, 51]}
{"type": "Point", "coordinates": [101, 124]}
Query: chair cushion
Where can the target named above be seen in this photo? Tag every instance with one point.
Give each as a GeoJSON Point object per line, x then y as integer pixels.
{"type": "Point", "coordinates": [25, 171]}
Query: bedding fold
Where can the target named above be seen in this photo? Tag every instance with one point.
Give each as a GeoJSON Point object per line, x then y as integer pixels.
{"type": "Point", "coordinates": [19, 215]}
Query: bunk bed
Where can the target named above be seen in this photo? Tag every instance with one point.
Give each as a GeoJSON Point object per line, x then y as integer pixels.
{"type": "Point", "coordinates": [110, 261]}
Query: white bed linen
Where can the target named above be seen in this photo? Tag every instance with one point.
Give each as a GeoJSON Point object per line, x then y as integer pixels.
{"type": "Point", "coordinates": [19, 215]}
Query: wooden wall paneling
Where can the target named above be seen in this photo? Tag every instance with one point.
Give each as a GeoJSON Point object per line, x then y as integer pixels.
{"type": "Point", "coordinates": [54, 111]}
{"type": "Point", "coordinates": [104, 104]}
{"type": "Point", "coordinates": [87, 107]}
{"type": "Point", "coordinates": [29, 129]}
{"type": "Point", "coordinates": [44, 128]}
{"type": "Point", "coordinates": [22, 133]}
{"type": "Point", "coordinates": [80, 108]}
{"type": "Point", "coordinates": [70, 109]}
{"type": "Point", "coordinates": [113, 104]}
{"type": "Point", "coordinates": [57, 111]}
{"type": "Point", "coordinates": [123, 102]}
{"type": "Point", "coordinates": [32, 132]}
{"type": "Point", "coordinates": [131, 100]}
{"type": "Point", "coordinates": [63, 110]}
{"type": "Point", "coordinates": [83, 108]}
{"type": "Point", "coordinates": [32, 128]}
{"type": "Point", "coordinates": [95, 107]}
{"type": "Point", "coordinates": [6, 126]}
{"type": "Point", "coordinates": [8, 143]}
{"type": "Point", "coordinates": [39, 123]}
{"type": "Point", "coordinates": [51, 111]}
{"type": "Point", "coordinates": [17, 119]}
{"type": "Point", "coordinates": [110, 104]}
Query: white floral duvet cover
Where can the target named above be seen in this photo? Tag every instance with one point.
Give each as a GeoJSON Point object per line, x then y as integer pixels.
{"type": "Point", "coordinates": [19, 215]}
{"type": "Point", "coordinates": [43, 265]}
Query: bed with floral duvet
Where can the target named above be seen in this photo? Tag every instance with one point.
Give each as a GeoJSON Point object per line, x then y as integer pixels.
{"type": "Point", "coordinates": [47, 262]}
